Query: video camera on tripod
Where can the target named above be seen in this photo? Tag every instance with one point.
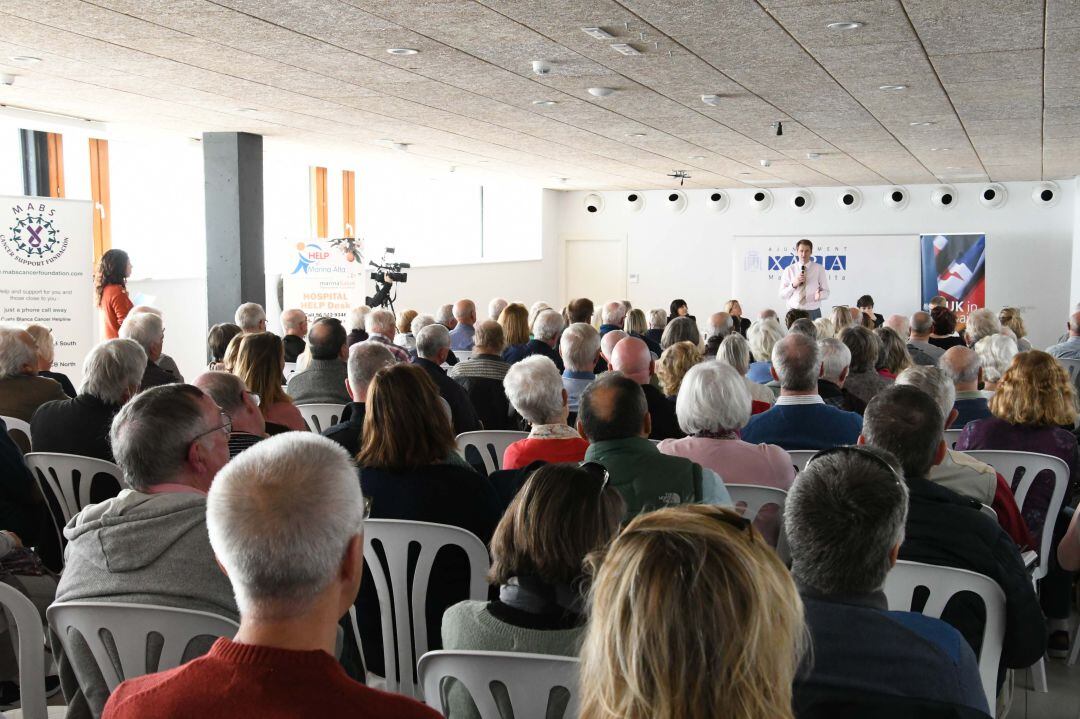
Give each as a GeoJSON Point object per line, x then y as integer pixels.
{"type": "Point", "coordinates": [385, 275]}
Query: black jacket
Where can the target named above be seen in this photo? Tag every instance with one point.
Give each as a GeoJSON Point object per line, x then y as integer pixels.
{"type": "Point", "coordinates": [65, 383]}
{"type": "Point", "coordinates": [487, 396]}
{"type": "Point", "coordinates": [517, 353]}
{"type": "Point", "coordinates": [21, 511]}
{"type": "Point", "coordinates": [74, 426]}
{"type": "Point", "coordinates": [294, 347]}
{"type": "Point", "coordinates": [948, 530]}
{"type": "Point", "coordinates": [662, 410]}
{"type": "Point", "coordinates": [154, 376]}
{"type": "Point", "coordinates": [461, 409]}
{"type": "Point", "coordinates": [348, 432]}
{"type": "Point", "coordinates": [840, 398]}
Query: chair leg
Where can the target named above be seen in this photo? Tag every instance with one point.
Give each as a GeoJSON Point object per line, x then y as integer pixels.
{"type": "Point", "coordinates": [1038, 676]}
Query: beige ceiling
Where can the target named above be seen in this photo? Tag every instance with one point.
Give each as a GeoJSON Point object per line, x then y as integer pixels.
{"type": "Point", "coordinates": [999, 80]}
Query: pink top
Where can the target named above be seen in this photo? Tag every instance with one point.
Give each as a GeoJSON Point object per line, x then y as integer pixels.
{"type": "Point", "coordinates": [286, 413]}
{"type": "Point", "coordinates": [739, 462]}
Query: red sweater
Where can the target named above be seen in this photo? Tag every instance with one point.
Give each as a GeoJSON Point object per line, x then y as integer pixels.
{"type": "Point", "coordinates": [241, 680]}
{"type": "Point", "coordinates": [526, 451]}
{"type": "Point", "coordinates": [115, 305]}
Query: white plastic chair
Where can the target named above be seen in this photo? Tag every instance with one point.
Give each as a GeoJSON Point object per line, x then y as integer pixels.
{"type": "Point", "coordinates": [127, 628]}
{"type": "Point", "coordinates": [943, 583]}
{"type": "Point", "coordinates": [1073, 368]}
{"type": "Point", "coordinates": [491, 444]}
{"type": "Point", "coordinates": [799, 457]}
{"type": "Point", "coordinates": [31, 651]}
{"type": "Point", "coordinates": [528, 678]}
{"type": "Point", "coordinates": [321, 416]}
{"type": "Point", "coordinates": [1007, 464]}
{"type": "Point", "coordinates": [289, 370]}
{"type": "Point", "coordinates": [463, 355]}
{"type": "Point", "coordinates": [951, 435]}
{"type": "Point", "coordinates": [66, 480]}
{"type": "Point", "coordinates": [404, 615]}
{"type": "Point", "coordinates": [16, 427]}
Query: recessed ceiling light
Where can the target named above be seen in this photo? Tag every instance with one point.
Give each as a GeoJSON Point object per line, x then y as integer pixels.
{"type": "Point", "coordinates": [711, 100]}
{"type": "Point", "coordinates": [844, 25]}
{"type": "Point", "coordinates": [813, 156]}
{"type": "Point", "coordinates": [940, 149]}
{"type": "Point", "coordinates": [597, 32]}
{"type": "Point", "coordinates": [625, 49]}
{"type": "Point", "coordinates": [746, 173]}
{"type": "Point", "coordinates": [697, 157]}
{"type": "Point", "coordinates": [482, 162]}
{"type": "Point", "coordinates": [246, 109]}
{"type": "Point", "coordinates": [892, 88]}
{"type": "Point", "coordinates": [922, 123]}
{"type": "Point", "coordinates": [402, 51]}
{"type": "Point", "coordinates": [600, 91]}
{"type": "Point", "coordinates": [545, 103]}
{"type": "Point", "coordinates": [764, 163]}
{"type": "Point", "coordinates": [25, 59]}
{"type": "Point", "coordinates": [635, 134]}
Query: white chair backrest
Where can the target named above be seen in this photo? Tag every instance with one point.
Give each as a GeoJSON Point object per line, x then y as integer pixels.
{"type": "Point", "coordinates": [490, 444]}
{"type": "Point", "coordinates": [321, 416]}
{"type": "Point", "coordinates": [529, 680]}
{"type": "Point", "coordinates": [753, 499]}
{"type": "Point", "coordinates": [951, 435]}
{"type": "Point", "coordinates": [1008, 464]}
{"type": "Point", "coordinates": [65, 481]}
{"type": "Point", "coordinates": [31, 651]}
{"type": "Point", "coordinates": [16, 427]}
{"type": "Point", "coordinates": [1071, 366]}
{"type": "Point", "coordinates": [988, 511]}
{"type": "Point", "coordinates": [289, 370]}
{"type": "Point", "coordinates": [404, 616]}
{"type": "Point", "coordinates": [943, 583]}
{"type": "Point", "coordinates": [799, 457]}
{"type": "Point", "coordinates": [463, 355]}
{"type": "Point", "coordinates": [128, 627]}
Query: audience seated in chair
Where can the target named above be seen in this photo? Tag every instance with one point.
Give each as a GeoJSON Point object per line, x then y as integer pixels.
{"type": "Point", "coordinates": [996, 354]}
{"type": "Point", "coordinates": [1069, 347]}
{"type": "Point", "coordinates": [692, 615]}
{"type": "Point", "coordinates": [762, 337]}
{"type": "Point", "coordinates": [861, 649]}
{"type": "Point", "coordinates": [260, 513]}
{"type": "Point", "coordinates": [631, 357]}
{"type": "Point", "coordinates": [713, 406]}
{"type": "Point", "coordinates": [918, 340]}
{"type": "Point", "coordinates": [559, 516]}
{"type": "Point", "coordinates": [495, 307]}
{"type": "Point", "coordinates": [240, 404]}
{"type": "Point", "coordinates": [46, 353]}
{"type": "Point", "coordinates": [163, 361]}
{"type": "Point", "coordinates": [22, 511]}
{"type": "Point", "coordinates": [481, 376]}
{"type": "Point", "coordinates": [112, 373]}
{"type": "Point", "coordinates": [260, 361]}
{"type": "Point", "coordinates": [148, 330]}
{"type": "Point", "coordinates": [355, 324]}
{"type": "Point", "coordinates": [461, 336]}
{"type": "Point", "coordinates": [536, 392]}
{"type": "Point", "coordinates": [980, 323]}
{"type": "Point", "coordinates": [734, 351]}
{"type": "Point", "coordinates": [944, 334]}
{"type": "Point", "coordinates": [961, 365]}
{"type": "Point", "coordinates": [365, 359]}
{"type": "Point", "coordinates": [579, 348]}
{"type": "Point", "coordinates": [432, 348]}
{"type": "Point", "coordinates": [613, 317]}
{"type": "Point", "coordinates": [657, 321]}
{"type": "Point", "coordinates": [149, 544]}
{"type": "Point", "coordinates": [21, 390]}
{"type": "Point", "coordinates": [720, 326]}
{"type": "Point", "coordinates": [863, 380]}
{"type": "Point", "coordinates": [545, 338]}
{"type": "Point", "coordinates": [250, 317]}
{"type": "Point", "coordinates": [294, 328]}
{"type": "Point", "coordinates": [680, 329]}
{"type": "Point", "coordinates": [410, 469]}
{"type": "Point", "coordinates": [801, 419]}
{"type": "Point", "coordinates": [635, 325]}
{"type": "Point", "coordinates": [614, 418]}
{"type": "Point", "coordinates": [322, 381]}
{"type": "Point", "coordinates": [381, 328]}
{"type": "Point", "coordinates": [947, 529]}
{"type": "Point", "coordinates": [217, 341]}
{"type": "Point", "coordinates": [893, 356]}
{"type": "Point", "coordinates": [835, 365]}
{"type": "Point", "coordinates": [673, 365]}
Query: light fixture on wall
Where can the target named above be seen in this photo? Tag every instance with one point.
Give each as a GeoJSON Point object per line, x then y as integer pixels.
{"type": "Point", "coordinates": [594, 203]}
{"type": "Point", "coordinates": [636, 201]}
{"type": "Point", "coordinates": [1045, 194]}
{"type": "Point", "coordinates": [676, 201]}
{"type": "Point", "coordinates": [943, 196]}
{"type": "Point", "coordinates": [761, 200]}
{"type": "Point", "coordinates": [802, 200]}
{"type": "Point", "coordinates": [718, 201]}
{"type": "Point", "coordinates": [993, 195]}
{"type": "Point", "coordinates": [849, 199]}
{"type": "Point", "coordinates": [895, 198]}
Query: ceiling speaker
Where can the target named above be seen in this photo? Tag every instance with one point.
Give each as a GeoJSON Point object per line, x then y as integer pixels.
{"type": "Point", "coordinates": [676, 200]}
{"type": "Point", "coordinates": [1045, 194]}
{"type": "Point", "coordinates": [993, 195]}
{"type": "Point", "coordinates": [943, 196]}
{"type": "Point", "coordinates": [802, 200]}
{"type": "Point", "coordinates": [849, 199]}
{"type": "Point", "coordinates": [718, 201]}
{"type": "Point", "coordinates": [594, 203]}
{"type": "Point", "coordinates": [636, 201]}
{"type": "Point", "coordinates": [895, 198]}
{"type": "Point", "coordinates": [761, 200]}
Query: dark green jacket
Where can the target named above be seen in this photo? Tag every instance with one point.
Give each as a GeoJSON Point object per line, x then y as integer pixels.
{"type": "Point", "coordinates": [646, 478]}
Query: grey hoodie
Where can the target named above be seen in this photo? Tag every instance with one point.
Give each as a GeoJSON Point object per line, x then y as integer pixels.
{"type": "Point", "coordinates": [140, 548]}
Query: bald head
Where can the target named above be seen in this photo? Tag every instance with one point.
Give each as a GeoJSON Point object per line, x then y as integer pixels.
{"type": "Point", "coordinates": [921, 326]}
{"type": "Point", "coordinates": [465, 312]}
{"type": "Point", "coordinates": [720, 324]}
{"type": "Point", "coordinates": [1074, 324]}
{"type": "Point", "coordinates": [613, 407]}
{"type": "Point", "coordinates": [294, 322]}
{"type": "Point", "coordinates": [608, 342]}
{"type": "Point", "coordinates": [327, 339]}
{"type": "Point", "coordinates": [961, 365]}
{"type": "Point", "coordinates": [631, 357]}
{"type": "Point", "coordinates": [898, 324]}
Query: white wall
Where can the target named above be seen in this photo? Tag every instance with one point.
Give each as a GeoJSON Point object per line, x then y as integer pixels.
{"type": "Point", "coordinates": [688, 255]}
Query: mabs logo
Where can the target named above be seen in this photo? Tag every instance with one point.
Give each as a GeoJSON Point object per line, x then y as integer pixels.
{"type": "Point", "coordinates": [34, 239]}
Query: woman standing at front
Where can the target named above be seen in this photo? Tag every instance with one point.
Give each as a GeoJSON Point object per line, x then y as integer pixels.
{"type": "Point", "coordinates": [110, 285]}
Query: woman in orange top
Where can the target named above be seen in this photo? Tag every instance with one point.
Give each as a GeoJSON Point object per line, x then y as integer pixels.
{"type": "Point", "coordinates": [111, 288]}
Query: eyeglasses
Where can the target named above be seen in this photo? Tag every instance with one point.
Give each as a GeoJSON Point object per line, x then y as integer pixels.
{"type": "Point", "coordinates": [226, 425]}
{"type": "Point", "coordinates": [863, 452]}
{"type": "Point", "coordinates": [597, 470]}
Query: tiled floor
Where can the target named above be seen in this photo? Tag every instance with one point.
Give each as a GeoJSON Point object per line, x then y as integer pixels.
{"type": "Point", "coordinates": [1063, 700]}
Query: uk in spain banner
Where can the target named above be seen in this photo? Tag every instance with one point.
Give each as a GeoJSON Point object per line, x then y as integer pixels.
{"type": "Point", "coordinates": [954, 267]}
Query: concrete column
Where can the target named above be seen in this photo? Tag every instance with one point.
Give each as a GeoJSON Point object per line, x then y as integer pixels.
{"type": "Point", "coordinates": [235, 267]}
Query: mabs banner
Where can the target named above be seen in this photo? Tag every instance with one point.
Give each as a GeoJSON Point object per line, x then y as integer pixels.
{"type": "Point", "coordinates": [46, 273]}
{"type": "Point", "coordinates": [324, 278]}
{"type": "Point", "coordinates": [954, 266]}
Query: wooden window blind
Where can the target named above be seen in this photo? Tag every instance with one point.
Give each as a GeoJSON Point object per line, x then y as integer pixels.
{"type": "Point", "coordinates": [55, 144]}
{"type": "Point", "coordinates": [318, 201]}
{"type": "Point", "coordinates": [99, 193]}
{"type": "Point", "coordinates": [348, 202]}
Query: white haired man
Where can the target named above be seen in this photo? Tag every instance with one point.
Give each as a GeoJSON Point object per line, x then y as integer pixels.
{"type": "Point", "coordinates": [445, 317]}
{"type": "Point", "coordinates": [355, 324]}
{"type": "Point", "coordinates": [835, 364]}
{"type": "Point", "coordinates": [240, 404]}
{"type": "Point", "coordinates": [432, 347]}
{"type": "Point", "coordinates": [163, 361]}
{"type": "Point", "coordinates": [294, 325]}
{"type": "Point", "coordinates": [461, 336]}
{"type": "Point", "coordinates": [1069, 345]}
{"type": "Point", "coordinates": [112, 373]}
{"type": "Point", "coordinates": [381, 328]}
{"type": "Point", "coordinates": [259, 515]}
{"type": "Point", "coordinates": [580, 351]}
{"type": "Point", "coordinates": [720, 326]}
{"type": "Point", "coordinates": [980, 323]}
{"type": "Point", "coordinates": [365, 359]}
{"type": "Point", "coordinates": [21, 390]}
{"type": "Point", "coordinates": [546, 329]}
{"type": "Point", "coordinates": [495, 307]}
{"type": "Point", "coordinates": [149, 544]}
{"type": "Point", "coordinates": [149, 331]}
{"type": "Point", "coordinates": [962, 366]}
{"type": "Point", "coordinates": [251, 317]}
{"type": "Point", "coordinates": [613, 317]}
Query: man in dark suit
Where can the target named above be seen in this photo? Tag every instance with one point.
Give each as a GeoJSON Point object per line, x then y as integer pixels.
{"type": "Point", "coordinates": [365, 359]}
{"type": "Point", "coordinates": [432, 346]}
{"type": "Point", "coordinates": [631, 357]}
{"type": "Point", "coordinates": [148, 330]}
{"type": "Point", "coordinates": [112, 374]}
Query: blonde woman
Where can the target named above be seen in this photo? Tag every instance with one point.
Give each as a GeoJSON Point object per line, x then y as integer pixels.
{"type": "Point", "coordinates": [515, 323]}
{"type": "Point", "coordinates": [825, 328]}
{"type": "Point", "coordinates": [740, 323]}
{"type": "Point", "coordinates": [763, 335]}
{"type": "Point", "coordinates": [260, 360]}
{"type": "Point", "coordinates": [841, 318]}
{"type": "Point", "coordinates": [674, 363]}
{"type": "Point", "coordinates": [1010, 317]}
{"type": "Point", "coordinates": [893, 356]}
{"type": "Point", "coordinates": [693, 616]}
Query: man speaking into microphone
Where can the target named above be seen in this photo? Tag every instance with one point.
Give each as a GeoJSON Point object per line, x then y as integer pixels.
{"type": "Point", "coordinates": [804, 283]}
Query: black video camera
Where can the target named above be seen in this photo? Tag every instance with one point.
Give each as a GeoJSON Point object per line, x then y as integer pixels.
{"type": "Point", "coordinates": [385, 274]}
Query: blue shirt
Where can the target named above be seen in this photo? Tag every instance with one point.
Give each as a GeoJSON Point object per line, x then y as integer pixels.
{"type": "Point", "coordinates": [760, 372]}
{"type": "Point", "coordinates": [575, 383]}
{"type": "Point", "coordinates": [461, 337]}
{"type": "Point", "coordinates": [1069, 349]}
{"type": "Point", "coordinates": [803, 426]}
